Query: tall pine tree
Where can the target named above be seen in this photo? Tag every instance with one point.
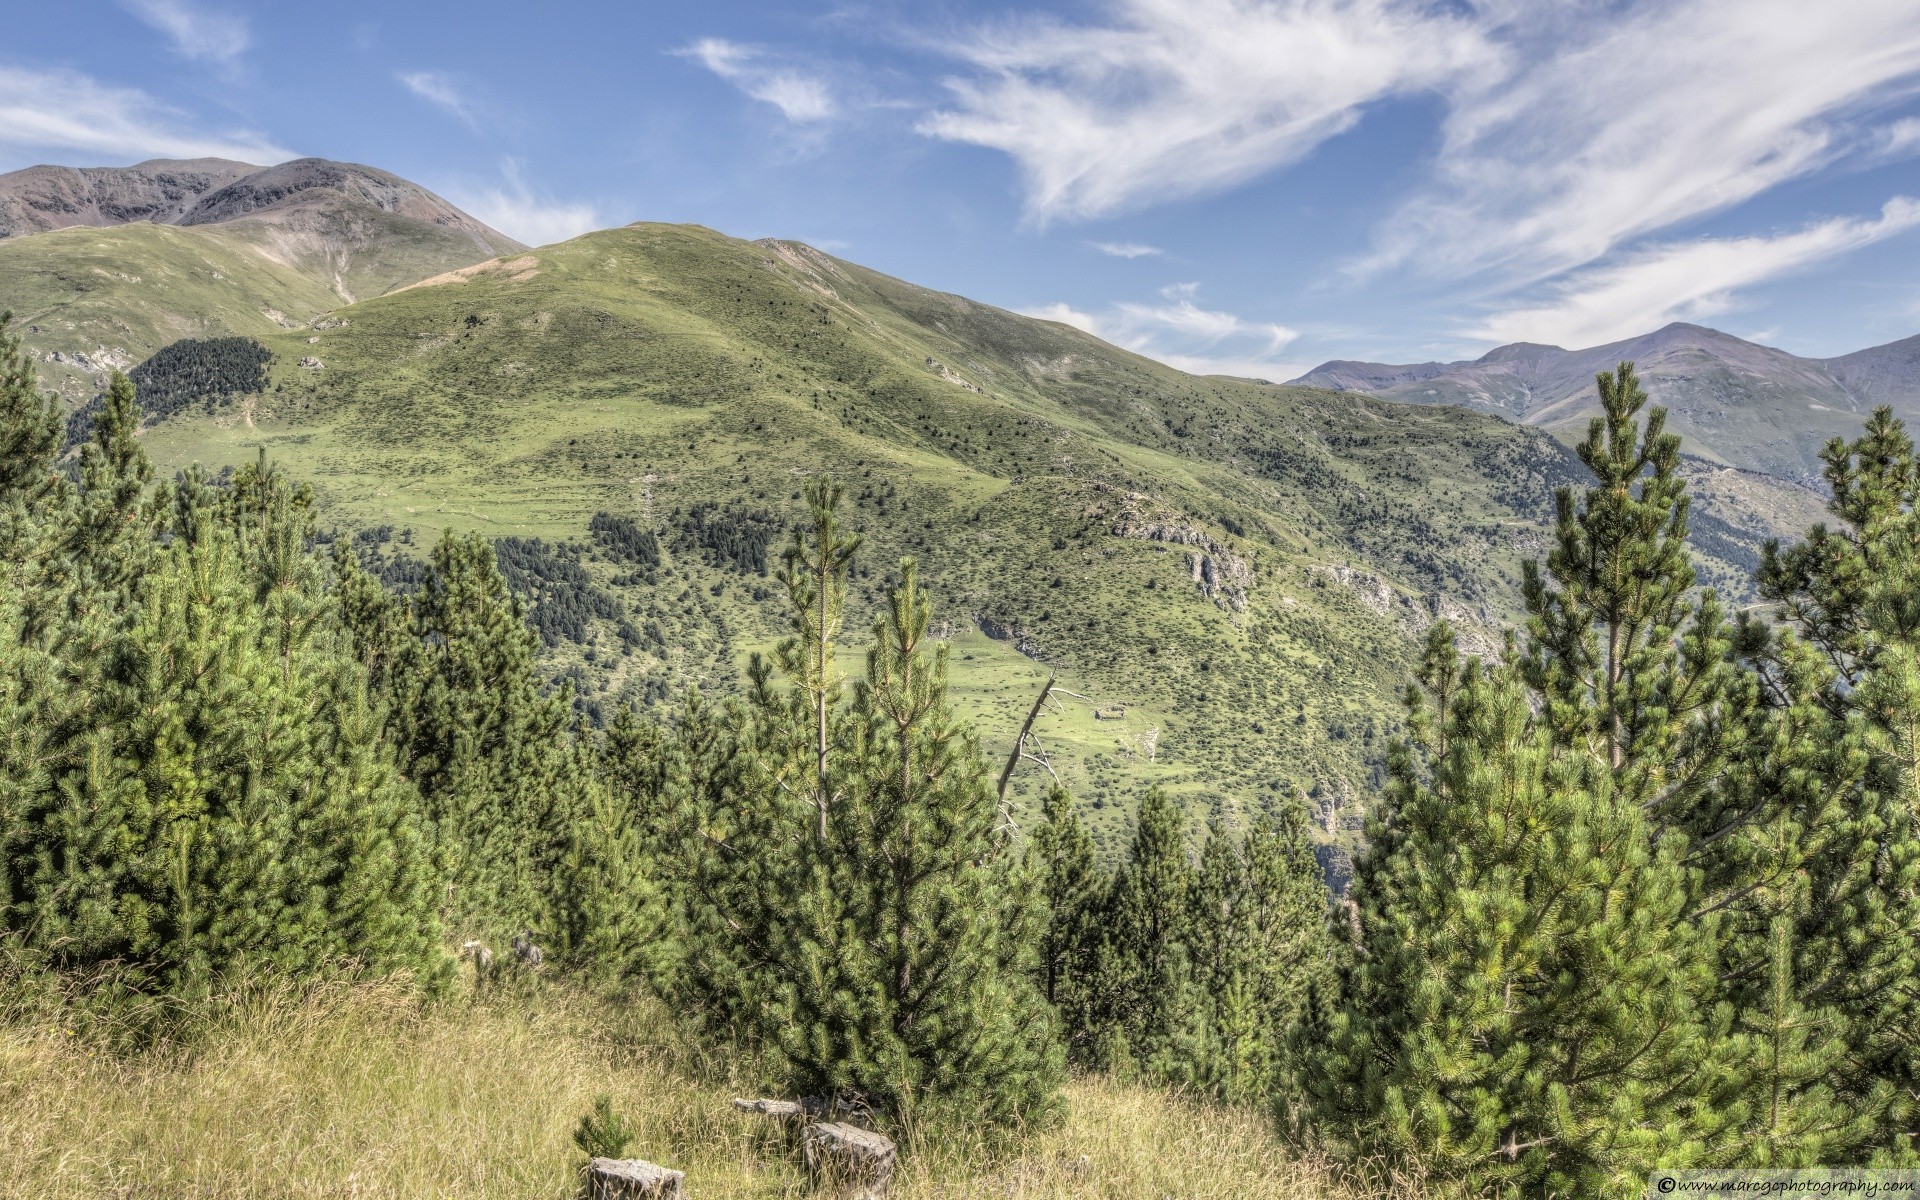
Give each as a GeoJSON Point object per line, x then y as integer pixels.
{"type": "Point", "coordinates": [851, 906]}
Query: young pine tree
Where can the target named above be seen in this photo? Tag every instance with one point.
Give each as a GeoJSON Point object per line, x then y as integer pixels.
{"type": "Point", "coordinates": [1520, 1013]}
{"type": "Point", "coordinates": [1148, 995]}
{"type": "Point", "coordinates": [851, 893]}
{"type": "Point", "coordinates": [1844, 706]}
{"type": "Point", "coordinates": [483, 742]}
{"type": "Point", "coordinates": [1262, 953]}
{"type": "Point", "coordinates": [1060, 858]}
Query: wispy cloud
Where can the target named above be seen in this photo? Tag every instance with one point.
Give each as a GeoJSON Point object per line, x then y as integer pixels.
{"type": "Point", "coordinates": [1177, 331]}
{"type": "Point", "coordinates": [1625, 122]}
{"type": "Point", "coordinates": [801, 97]}
{"type": "Point", "coordinates": [1687, 281]}
{"type": "Point", "coordinates": [68, 111]}
{"type": "Point", "coordinates": [1179, 97]}
{"type": "Point", "coordinates": [1901, 139]}
{"type": "Point", "coordinates": [195, 32]}
{"type": "Point", "coordinates": [522, 212]}
{"type": "Point", "coordinates": [1126, 249]}
{"type": "Point", "coordinates": [438, 89]}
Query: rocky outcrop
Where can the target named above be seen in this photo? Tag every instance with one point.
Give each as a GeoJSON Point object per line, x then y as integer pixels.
{"type": "Point", "coordinates": [779, 1110]}
{"type": "Point", "coordinates": [1221, 575]}
{"type": "Point", "coordinates": [98, 361]}
{"type": "Point", "coordinates": [633, 1179]}
{"type": "Point", "coordinates": [849, 1162]}
{"type": "Point", "coordinates": [1007, 631]}
{"type": "Point", "coordinates": [951, 376]}
{"type": "Point", "coordinates": [1477, 628]}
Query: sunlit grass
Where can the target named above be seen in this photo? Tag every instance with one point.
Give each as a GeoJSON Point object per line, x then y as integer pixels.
{"type": "Point", "coordinates": [363, 1091]}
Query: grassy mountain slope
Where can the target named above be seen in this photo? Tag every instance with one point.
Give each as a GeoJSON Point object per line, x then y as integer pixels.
{"type": "Point", "coordinates": [93, 300]}
{"type": "Point", "coordinates": [1231, 574]}
{"type": "Point", "coordinates": [106, 265]}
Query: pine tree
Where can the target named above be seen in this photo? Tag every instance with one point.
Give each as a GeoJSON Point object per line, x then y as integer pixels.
{"type": "Point", "coordinates": [483, 743]}
{"type": "Point", "coordinates": [1148, 991]}
{"type": "Point", "coordinates": [1520, 1014]}
{"type": "Point", "coordinates": [850, 905]}
{"type": "Point", "coordinates": [1061, 857]}
{"type": "Point", "coordinates": [1262, 951]}
{"type": "Point", "coordinates": [1633, 670]}
{"type": "Point", "coordinates": [202, 820]}
{"type": "Point", "coordinates": [29, 439]}
{"type": "Point", "coordinates": [1837, 779]}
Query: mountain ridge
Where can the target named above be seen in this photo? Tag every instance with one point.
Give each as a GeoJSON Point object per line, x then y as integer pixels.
{"type": "Point", "coordinates": [1738, 403]}
{"type": "Point", "coordinates": [105, 265]}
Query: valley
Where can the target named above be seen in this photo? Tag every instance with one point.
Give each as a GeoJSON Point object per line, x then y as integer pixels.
{"type": "Point", "coordinates": [1230, 576]}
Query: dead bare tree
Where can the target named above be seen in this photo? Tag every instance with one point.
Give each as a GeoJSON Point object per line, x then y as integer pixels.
{"type": "Point", "coordinates": [1027, 746]}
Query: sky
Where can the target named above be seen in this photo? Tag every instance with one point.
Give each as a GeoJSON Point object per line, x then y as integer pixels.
{"type": "Point", "coordinates": [1246, 187]}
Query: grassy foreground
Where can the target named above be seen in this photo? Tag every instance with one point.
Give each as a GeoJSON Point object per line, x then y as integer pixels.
{"type": "Point", "coordinates": [359, 1091]}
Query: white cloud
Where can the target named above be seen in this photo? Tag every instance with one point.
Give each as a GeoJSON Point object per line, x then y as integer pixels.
{"type": "Point", "coordinates": [1180, 97]}
{"type": "Point", "coordinates": [1686, 281]}
{"type": "Point", "coordinates": [799, 96]}
{"type": "Point", "coordinates": [1899, 139]}
{"type": "Point", "coordinates": [520, 212]}
{"type": "Point", "coordinates": [438, 88]}
{"type": "Point", "coordinates": [1183, 335]}
{"type": "Point", "coordinates": [1066, 314]}
{"type": "Point", "coordinates": [195, 32]}
{"type": "Point", "coordinates": [1623, 122]}
{"type": "Point", "coordinates": [1126, 249]}
{"type": "Point", "coordinates": [68, 111]}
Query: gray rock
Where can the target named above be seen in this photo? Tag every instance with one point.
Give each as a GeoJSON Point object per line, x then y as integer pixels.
{"type": "Point", "coordinates": [779, 1110]}
{"type": "Point", "coordinates": [849, 1162]}
{"type": "Point", "coordinates": [311, 363]}
{"type": "Point", "coordinates": [633, 1179]}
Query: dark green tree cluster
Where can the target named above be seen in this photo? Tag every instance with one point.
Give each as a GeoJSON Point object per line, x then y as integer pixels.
{"type": "Point", "coordinates": [224, 752]}
{"type": "Point", "coordinates": [1184, 971]}
{"type": "Point", "coordinates": [203, 371]}
{"type": "Point", "coordinates": [1642, 892]}
{"type": "Point", "coordinates": [193, 775]}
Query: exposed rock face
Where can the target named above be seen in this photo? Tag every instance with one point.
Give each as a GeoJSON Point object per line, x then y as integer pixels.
{"type": "Point", "coordinates": [849, 1162]}
{"type": "Point", "coordinates": [1221, 575]}
{"type": "Point", "coordinates": [38, 199]}
{"type": "Point", "coordinates": [1477, 629]}
{"type": "Point", "coordinates": [633, 1179]}
{"type": "Point", "coordinates": [951, 376]}
{"type": "Point", "coordinates": [311, 363]}
{"type": "Point", "coordinates": [304, 179]}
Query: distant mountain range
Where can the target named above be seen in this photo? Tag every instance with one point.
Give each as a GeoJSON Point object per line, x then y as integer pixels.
{"type": "Point", "coordinates": [108, 264]}
{"type": "Point", "coordinates": [1736, 402]}
{"type": "Point", "coordinates": [213, 191]}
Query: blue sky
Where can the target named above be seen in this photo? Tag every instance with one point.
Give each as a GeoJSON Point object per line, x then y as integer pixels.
{"type": "Point", "coordinates": [1250, 186]}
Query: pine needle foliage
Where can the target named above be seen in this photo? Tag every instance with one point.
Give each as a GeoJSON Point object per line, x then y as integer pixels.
{"type": "Point", "coordinates": [850, 907]}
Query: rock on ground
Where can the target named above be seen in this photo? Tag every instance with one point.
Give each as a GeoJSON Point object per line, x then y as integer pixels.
{"type": "Point", "coordinates": [633, 1179]}
{"type": "Point", "coordinates": [849, 1162]}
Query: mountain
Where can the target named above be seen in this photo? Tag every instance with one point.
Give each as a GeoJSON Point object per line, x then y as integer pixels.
{"type": "Point", "coordinates": [106, 265]}
{"type": "Point", "coordinates": [1233, 575]}
{"type": "Point", "coordinates": [43, 198]}
{"type": "Point", "coordinates": [1737, 403]}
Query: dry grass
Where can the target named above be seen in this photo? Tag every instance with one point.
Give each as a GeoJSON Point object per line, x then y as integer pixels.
{"type": "Point", "coordinates": [362, 1092]}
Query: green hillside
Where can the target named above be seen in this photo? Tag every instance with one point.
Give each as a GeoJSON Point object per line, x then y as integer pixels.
{"type": "Point", "coordinates": [1230, 575]}
{"type": "Point", "coordinates": [91, 300]}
